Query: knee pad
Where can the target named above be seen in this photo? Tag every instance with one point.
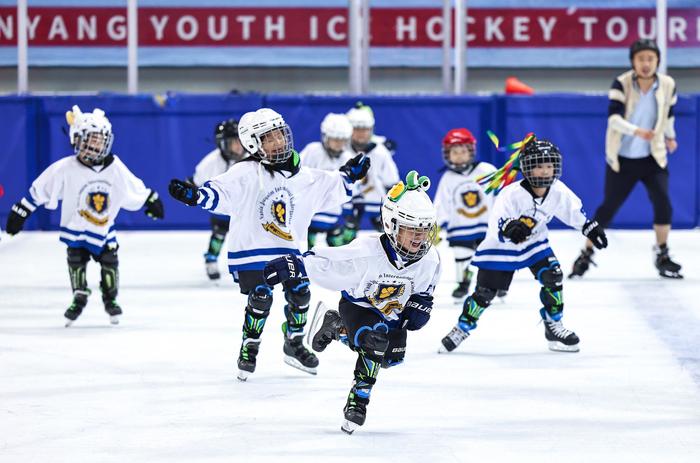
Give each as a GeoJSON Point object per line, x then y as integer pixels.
{"type": "Point", "coordinates": [483, 296]}
{"type": "Point", "coordinates": [109, 258]}
{"type": "Point", "coordinates": [552, 298]}
{"type": "Point", "coordinates": [373, 341]}
{"type": "Point", "coordinates": [260, 301]}
{"type": "Point", "coordinates": [297, 293]}
{"type": "Point", "coordinates": [552, 276]}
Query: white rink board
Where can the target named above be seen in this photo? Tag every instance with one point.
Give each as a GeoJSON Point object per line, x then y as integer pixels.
{"type": "Point", "coordinates": [161, 386]}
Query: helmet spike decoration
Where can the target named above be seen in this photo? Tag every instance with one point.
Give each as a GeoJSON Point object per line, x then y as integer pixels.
{"type": "Point", "coordinates": [413, 182]}
{"type": "Point", "coordinates": [504, 176]}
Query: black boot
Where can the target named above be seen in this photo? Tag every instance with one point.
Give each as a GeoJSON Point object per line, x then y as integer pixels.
{"type": "Point", "coordinates": [247, 357]}
{"type": "Point", "coordinates": [296, 354]}
{"type": "Point", "coordinates": [326, 325]}
{"type": "Point", "coordinates": [666, 267]}
{"type": "Point", "coordinates": [582, 263]}
{"type": "Point", "coordinates": [560, 339]}
{"type": "Point", "coordinates": [80, 298]}
{"type": "Point", "coordinates": [113, 310]}
{"type": "Point", "coordinates": [355, 412]}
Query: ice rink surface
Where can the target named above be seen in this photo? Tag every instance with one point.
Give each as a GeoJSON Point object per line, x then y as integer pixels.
{"type": "Point", "coordinates": [161, 386]}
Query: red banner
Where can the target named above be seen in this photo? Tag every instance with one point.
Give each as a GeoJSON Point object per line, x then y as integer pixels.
{"type": "Point", "coordinates": [390, 27]}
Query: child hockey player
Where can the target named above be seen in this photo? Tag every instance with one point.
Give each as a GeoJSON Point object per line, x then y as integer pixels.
{"type": "Point", "coordinates": [93, 186]}
{"type": "Point", "coordinates": [517, 238]}
{"type": "Point", "coordinates": [272, 200]}
{"type": "Point", "coordinates": [382, 176]}
{"type": "Point", "coordinates": [462, 206]}
{"type": "Point", "coordinates": [228, 151]}
{"type": "Point", "coordinates": [387, 282]}
{"type": "Point", "coordinates": [329, 154]}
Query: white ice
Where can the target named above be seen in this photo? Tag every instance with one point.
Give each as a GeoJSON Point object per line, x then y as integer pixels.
{"type": "Point", "coordinates": [161, 386]}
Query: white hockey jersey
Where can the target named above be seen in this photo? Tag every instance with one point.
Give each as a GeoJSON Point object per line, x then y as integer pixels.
{"type": "Point", "coordinates": [314, 155]}
{"type": "Point", "coordinates": [462, 206]}
{"type": "Point", "coordinates": [91, 199]}
{"type": "Point", "coordinates": [515, 201]}
{"type": "Point", "coordinates": [371, 275]}
{"type": "Point", "coordinates": [210, 166]}
{"type": "Point", "coordinates": [382, 175]}
{"type": "Point", "coordinates": [270, 211]}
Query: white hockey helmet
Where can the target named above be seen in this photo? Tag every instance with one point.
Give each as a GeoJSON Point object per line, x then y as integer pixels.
{"type": "Point", "coordinates": [409, 217]}
{"type": "Point", "coordinates": [335, 127]}
{"type": "Point", "coordinates": [361, 118]}
{"type": "Point", "coordinates": [90, 134]}
{"type": "Point", "coordinates": [265, 134]}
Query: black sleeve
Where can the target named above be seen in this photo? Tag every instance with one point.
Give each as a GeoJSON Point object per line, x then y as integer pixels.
{"type": "Point", "coordinates": [616, 107]}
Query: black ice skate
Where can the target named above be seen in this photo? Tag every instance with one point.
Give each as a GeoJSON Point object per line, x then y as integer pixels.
{"type": "Point", "coordinates": [582, 263]}
{"type": "Point", "coordinates": [325, 327]}
{"type": "Point", "coordinates": [454, 338]}
{"type": "Point", "coordinates": [80, 298]}
{"type": "Point", "coordinates": [355, 413]}
{"type": "Point", "coordinates": [560, 339]}
{"type": "Point", "coordinates": [462, 288]}
{"type": "Point", "coordinates": [666, 267]}
{"type": "Point", "coordinates": [212, 269]}
{"type": "Point", "coordinates": [246, 358]}
{"type": "Point", "coordinates": [113, 310]}
{"type": "Point", "coordinates": [296, 354]}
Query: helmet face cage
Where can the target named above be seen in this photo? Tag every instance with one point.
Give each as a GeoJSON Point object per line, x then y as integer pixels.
{"type": "Point", "coordinates": [334, 153]}
{"type": "Point", "coordinates": [459, 167]}
{"type": "Point", "coordinates": [411, 241]}
{"type": "Point", "coordinates": [93, 147]}
{"type": "Point", "coordinates": [283, 144]}
{"type": "Point", "coordinates": [536, 153]}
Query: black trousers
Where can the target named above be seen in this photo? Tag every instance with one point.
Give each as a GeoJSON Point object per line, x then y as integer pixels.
{"type": "Point", "coordinates": [618, 186]}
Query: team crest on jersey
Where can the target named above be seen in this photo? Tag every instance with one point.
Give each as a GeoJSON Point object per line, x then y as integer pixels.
{"type": "Point", "coordinates": [94, 203]}
{"type": "Point", "coordinates": [471, 199]}
{"type": "Point", "coordinates": [385, 297]}
{"type": "Point", "coordinates": [275, 211]}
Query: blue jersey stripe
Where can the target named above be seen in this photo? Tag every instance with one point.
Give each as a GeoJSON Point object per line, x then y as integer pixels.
{"type": "Point", "coordinates": [514, 265]}
{"type": "Point", "coordinates": [467, 227]}
{"type": "Point", "coordinates": [510, 252]}
{"type": "Point", "coordinates": [262, 252]}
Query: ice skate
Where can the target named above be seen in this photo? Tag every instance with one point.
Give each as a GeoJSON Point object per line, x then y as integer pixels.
{"type": "Point", "coordinates": [355, 413]}
{"type": "Point", "coordinates": [325, 327]}
{"type": "Point", "coordinates": [246, 358]}
{"type": "Point", "coordinates": [80, 298]}
{"type": "Point", "coordinates": [559, 338]}
{"type": "Point", "coordinates": [666, 267]}
{"type": "Point", "coordinates": [212, 268]}
{"type": "Point", "coordinates": [461, 291]}
{"type": "Point", "coordinates": [113, 310]}
{"type": "Point", "coordinates": [296, 354]}
{"type": "Point", "coordinates": [454, 338]}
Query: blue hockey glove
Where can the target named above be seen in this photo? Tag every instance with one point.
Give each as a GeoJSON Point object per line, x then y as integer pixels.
{"type": "Point", "coordinates": [356, 168]}
{"type": "Point", "coordinates": [594, 232]}
{"type": "Point", "coordinates": [417, 312]}
{"type": "Point", "coordinates": [154, 206]}
{"type": "Point", "coordinates": [184, 192]}
{"type": "Point", "coordinates": [283, 268]}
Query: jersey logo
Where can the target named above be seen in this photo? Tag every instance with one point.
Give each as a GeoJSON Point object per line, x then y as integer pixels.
{"type": "Point", "coordinates": [97, 202]}
{"type": "Point", "coordinates": [277, 231]}
{"type": "Point", "coordinates": [279, 212]}
{"type": "Point", "coordinates": [529, 221]}
{"type": "Point", "coordinates": [382, 293]}
{"type": "Point", "coordinates": [471, 199]}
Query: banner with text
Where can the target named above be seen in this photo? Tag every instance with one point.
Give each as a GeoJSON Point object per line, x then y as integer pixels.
{"type": "Point", "coordinates": [306, 36]}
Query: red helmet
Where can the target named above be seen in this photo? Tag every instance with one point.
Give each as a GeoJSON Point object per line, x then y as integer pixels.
{"type": "Point", "coordinates": [458, 137]}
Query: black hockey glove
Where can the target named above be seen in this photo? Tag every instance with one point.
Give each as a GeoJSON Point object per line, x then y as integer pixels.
{"type": "Point", "coordinates": [594, 232]}
{"type": "Point", "coordinates": [417, 312]}
{"type": "Point", "coordinates": [356, 168]}
{"type": "Point", "coordinates": [183, 191]}
{"type": "Point", "coordinates": [283, 268]}
{"type": "Point", "coordinates": [15, 221]}
{"type": "Point", "coordinates": [154, 206]}
{"type": "Point", "coordinates": [516, 230]}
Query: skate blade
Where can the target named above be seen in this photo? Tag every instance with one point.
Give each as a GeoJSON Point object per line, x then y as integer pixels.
{"type": "Point", "coordinates": [292, 362]}
{"type": "Point", "coordinates": [114, 319]}
{"type": "Point", "coordinates": [671, 276]}
{"type": "Point", "coordinates": [348, 427]}
{"type": "Point", "coordinates": [557, 346]}
{"type": "Point", "coordinates": [69, 322]}
{"type": "Point", "coordinates": [443, 350]}
{"type": "Point", "coordinates": [243, 375]}
{"type": "Point", "coordinates": [316, 320]}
